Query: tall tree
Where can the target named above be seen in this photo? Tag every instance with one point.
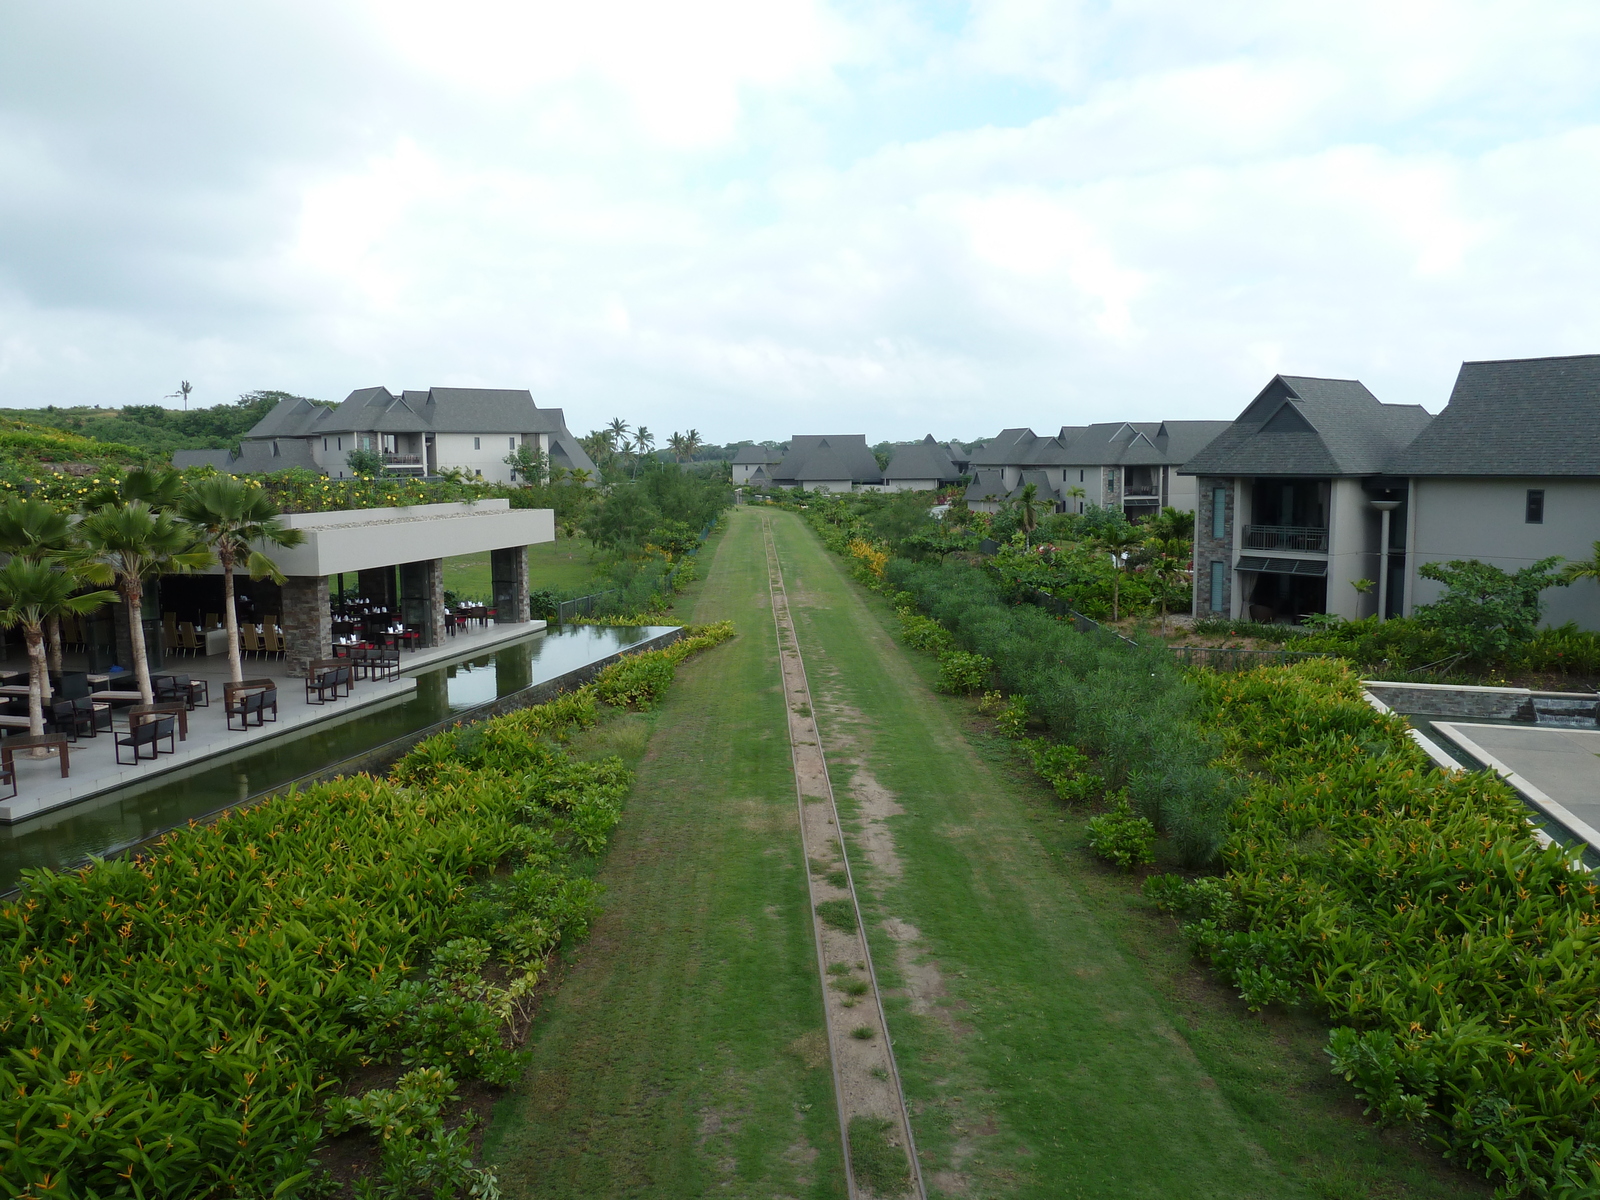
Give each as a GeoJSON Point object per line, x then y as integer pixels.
{"type": "Point", "coordinates": [229, 514]}
{"type": "Point", "coordinates": [32, 592]}
{"type": "Point", "coordinates": [1028, 511]}
{"type": "Point", "coordinates": [1119, 540]}
{"type": "Point", "coordinates": [34, 530]}
{"type": "Point", "coordinates": [643, 443]}
{"type": "Point", "coordinates": [183, 391]}
{"type": "Point", "coordinates": [126, 547]}
{"type": "Point", "coordinates": [677, 443]}
{"type": "Point", "coordinates": [691, 443]}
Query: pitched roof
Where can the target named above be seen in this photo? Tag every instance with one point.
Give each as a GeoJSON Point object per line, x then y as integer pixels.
{"type": "Point", "coordinates": [222, 460]}
{"type": "Point", "coordinates": [926, 459]}
{"type": "Point", "coordinates": [990, 485]}
{"type": "Point", "coordinates": [1520, 416]}
{"type": "Point", "coordinates": [749, 455]}
{"type": "Point", "coordinates": [1004, 448]}
{"type": "Point", "coordinates": [986, 485]}
{"type": "Point", "coordinates": [1142, 443]}
{"type": "Point", "coordinates": [1299, 425]}
{"type": "Point", "coordinates": [830, 457]}
{"type": "Point", "coordinates": [437, 410]}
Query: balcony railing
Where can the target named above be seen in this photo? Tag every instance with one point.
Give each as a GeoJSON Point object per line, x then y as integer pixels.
{"type": "Point", "coordinates": [402, 460]}
{"type": "Point", "coordinates": [1285, 537]}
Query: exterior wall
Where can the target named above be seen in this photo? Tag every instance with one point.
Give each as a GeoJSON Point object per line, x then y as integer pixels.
{"type": "Point", "coordinates": [910, 485]}
{"type": "Point", "coordinates": [487, 458]}
{"type": "Point", "coordinates": [828, 485]}
{"type": "Point", "coordinates": [1483, 519]}
{"type": "Point", "coordinates": [743, 471]}
{"type": "Point", "coordinates": [307, 621]}
{"type": "Point", "coordinates": [1208, 548]}
{"type": "Point", "coordinates": [508, 573]}
{"type": "Point", "coordinates": [1352, 550]}
{"type": "Point", "coordinates": [1182, 491]}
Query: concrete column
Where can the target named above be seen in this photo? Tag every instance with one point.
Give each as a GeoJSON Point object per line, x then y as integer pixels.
{"type": "Point", "coordinates": [307, 621]}
{"type": "Point", "coordinates": [422, 598]}
{"type": "Point", "coordinates": [508, 568]}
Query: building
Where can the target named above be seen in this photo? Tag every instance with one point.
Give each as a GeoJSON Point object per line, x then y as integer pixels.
{"type": "Point", "coordinates": [923, 466]}
{"type": "Point", "coordinates": [1508, 473]}
{"type": "Point", "coordinates": [1133, 466]}
{"type": "Point", "coordinates": [418, 433]}
{"type": "Point", "coordinates": [1291, 498]}
{"type": "Point", "coordinates": [753, 459]}
{"type": "Point", "coordinates": [827, 463]}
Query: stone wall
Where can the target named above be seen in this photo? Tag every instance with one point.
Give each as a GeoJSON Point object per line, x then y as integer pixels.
{"type": "Point", "coordinates": [307, 621]}
{"type": "Point", "coordinates": [508, 568]}
{"type": "Point", "coordinates": [1209, 549]}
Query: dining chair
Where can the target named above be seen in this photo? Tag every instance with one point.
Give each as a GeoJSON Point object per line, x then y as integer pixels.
{"type": "Point", "coordinates": [252, 643]}
{"type": "Point", "coordinates": [273, 639]}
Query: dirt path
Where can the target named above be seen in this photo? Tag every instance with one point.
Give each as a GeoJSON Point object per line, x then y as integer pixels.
{"type": "Point", "coordinates": [866, 1077]}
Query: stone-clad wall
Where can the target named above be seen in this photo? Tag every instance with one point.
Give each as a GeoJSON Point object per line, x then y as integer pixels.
{"type": "Point", "coordinates": [509, 570]}
{"type": "Point", "coordinates": [307, 621]}
{"type": "Point", "coordinates": [1209, 549]}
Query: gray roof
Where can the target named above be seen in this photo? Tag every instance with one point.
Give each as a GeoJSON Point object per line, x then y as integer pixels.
{"type": "Point", "coordinates": [1141, 443]}
{"type": "Point", "coordinates": [986, 485]}
{"type": "Point", "coordinates": [749, 455]}
{"type": "Point", "coordinates": [1004, 448]}
{"type": "Point", "coordinates": [830, 457]}
{"type": "Point", "coordinates": [222, 460]}
{"type": "Point", "coordinates": [437, 410]}
{"type": "Point", "coordinates": [990, 485]}
{"type": "Point", "coordinates": [926, 459]}
{"type": "Point", "coordinates": [257, 458]}
{"type": "Point", "coordinates": [1303, 426]}
{"type": "Point", "coordinates": [1520, 416]}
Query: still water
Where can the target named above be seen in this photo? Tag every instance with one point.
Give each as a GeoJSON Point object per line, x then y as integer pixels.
{"type": "Point", "coordinates": [111, 822]}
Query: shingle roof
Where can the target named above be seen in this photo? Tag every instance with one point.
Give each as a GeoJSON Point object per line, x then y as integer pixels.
{"type": "Point", "coordinates": [1004, 448]}
{"type": "Point", "coordinates": [1520, 416]}
{"type": "Point", "coordinates": [750, 455]}
{"type": "Point", "coordinates": [830, 457]}
{"type": "Point", "coordinates": [986, 485]}
{"type": "Point", "coordinates": [437, 410]}
{"type": "Point", "coordinates": [926, 459]}
{"type": "Point", "coordinates": [1298, 425]}
{"type": "Point", "coordinates": [294, 417]}
{"type": "Point", "coordinates": [222, 460]}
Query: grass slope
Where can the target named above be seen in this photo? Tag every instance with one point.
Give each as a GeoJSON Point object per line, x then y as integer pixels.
{"type": "Point", "coordinates": [1053, 1038]}
{"type": "Point", "coordinates": [562, 566]}
{"type": "Point", "coordinates": [684, 1053]}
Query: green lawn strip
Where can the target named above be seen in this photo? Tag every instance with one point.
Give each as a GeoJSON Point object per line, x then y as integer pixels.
{"type": "Point", "coordinates": [1100, 1060]}
{"type": "Point", "coordinates": [684, 1051]}
{"type": "Point", "coordinates": [559, 566]}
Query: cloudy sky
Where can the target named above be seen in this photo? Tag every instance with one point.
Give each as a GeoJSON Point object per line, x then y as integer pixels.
{"type": "Point", "coordinates": [759, 218]}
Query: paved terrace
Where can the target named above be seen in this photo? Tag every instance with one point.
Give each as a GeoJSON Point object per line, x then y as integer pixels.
{"type": "Point", "coordinates": [92, 761]}
{"type": "Point", "coordinates": [1558, 769]}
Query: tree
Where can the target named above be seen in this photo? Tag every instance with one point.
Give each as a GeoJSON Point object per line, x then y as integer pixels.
{"type": "Point", "coordinates": [160, 489]}
{"type": "Point", "coordinates": [643, 442]}
{"type": "Point", "coordinates": [1485, 611]}
{"type": "Point", "coordinates": [127, 546]}
{"type": "Point", "coordinates": [1169, 566]}
{"type": "Point", "coordinates": [184, 389]}
{"type": "Point", "coordinates": [678, 444]}
{"type": "Point", "coordinates": [1583, 568]}
{"type": "Point", "coordinates": [34, 530]}
{"type": "Point", "coordinates": [529, 463]}
{"type": "Point", "coordinates": [1028, 511]}
{"type": "Point", "coordinates": [1118, 541]}
{"type": "Point", "coordinates": [365, 464]}
{"type": "Point", "coordinates": [691, 444]}
{"type": "Point", "coordinates": [34, 591]}
{"type": "Point", "coordinates": [229, 514]}
{"type": "Point", "coordinates": [1171, 523]}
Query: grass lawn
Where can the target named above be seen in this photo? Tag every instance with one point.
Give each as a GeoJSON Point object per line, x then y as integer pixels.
{"type": "Point", "coordinates": [684, 1053]}
{"type": "Point", "coordinates": [562, 566]}
{"type": "Point", "coordinates": [1054, 1038]}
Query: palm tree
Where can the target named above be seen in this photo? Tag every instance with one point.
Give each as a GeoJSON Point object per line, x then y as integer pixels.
{"type": "Point", "coordinates": [1075, 492]}
{"type": "Point", "coordinates": [618, 429]}
{"type": "Point", "coordinates": [1583, 568]}
{"type": "Point", "coordinates": [127, 546]}
{"type": "Point", "coordinates": [159, 489]}
{"type": "Point", "coordinates": [643, 442]}
{"type": "Point", "coordinates": [1118, 541]}
{"type": "Point", "coordinates": [34, 530]}
{"type": "Point", "coordinates": [691, 443]}
{"type": "Point", "coordinates": [1028, 511]}
{"type": "Point", "coordinates": [33, 592]}
{"type": "Point", "coordinates": [677, 443]}
{"type": "Point", "coordinates": [184, 389]}
{"type": "Point", "coordinates": [1169, 562]}
{"type": "Point", "coordinates": [228, 515]}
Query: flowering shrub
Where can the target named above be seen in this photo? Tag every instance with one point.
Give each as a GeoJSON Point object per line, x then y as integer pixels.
{"type": "Point", "coordinates": [868, 556]}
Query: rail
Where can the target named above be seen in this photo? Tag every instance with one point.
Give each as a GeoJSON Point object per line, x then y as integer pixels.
{"type": "Point", "coordinates": [1222, 658]}
{"type": "Point", "coordinates": [1286, 537]}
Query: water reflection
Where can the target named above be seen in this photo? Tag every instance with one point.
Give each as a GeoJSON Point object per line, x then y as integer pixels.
{"type": "Point", "coordinates": [118, 819]}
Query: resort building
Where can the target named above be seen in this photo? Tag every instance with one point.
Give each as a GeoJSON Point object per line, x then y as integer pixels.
{"type": "Point", "coordinates": [418, 433]}
{"type": "Point", "coordinates": [752, 460]}
{"type": "Point", "coordinates": [839, 462]}
{"type": "Point", "coordinates": [923, 466]}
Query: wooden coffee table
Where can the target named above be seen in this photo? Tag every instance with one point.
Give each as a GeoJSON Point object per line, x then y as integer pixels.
{"type": "Point", "coordinates": [57, 741]}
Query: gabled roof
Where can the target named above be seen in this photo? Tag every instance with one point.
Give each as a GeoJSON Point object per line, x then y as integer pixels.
{"type": "Point", "coordinates": [222, 460]}
{"type": "Point", "coordinates": [828, 457]}
{"type": "Point", "coordinates": [1520, 416]}
{"type": "Point", "coordinates": [990, 485]}
{"type": "Point", "coordinates": [986, 485]}
{"type": "Point", "coordinates": [926, 459]}
{"type": "Point", "coordinates": [1004, 449]}
{"type": "Point", "coordinates": [1299, 425]}
{"type": "Point", "coordinates": [294, 417]}
{"type": "Point", "coordinates": [749, 455]}
{"type": "Point", "coordinates": [437, 410]}
{"type": "Point", "coordinates": [1142, 443]}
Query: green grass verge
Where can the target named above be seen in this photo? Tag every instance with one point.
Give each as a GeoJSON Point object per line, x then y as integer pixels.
{"type": "Point", "coordinates": [561, 566]}
{"type": "Point", "coordinates": [684, 1053]}
{"type": "Point", "coordinates": [1054, 1038]}
{"type": "Point", "coordinates": [876, 1161]}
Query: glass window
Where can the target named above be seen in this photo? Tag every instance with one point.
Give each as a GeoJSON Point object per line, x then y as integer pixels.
{"type": "Point", "coordinates": [1535, 510]}
{"type": "Point", "coordinates": [1217, 570]}
{"type": "Point", "coordinates": [477, 443]}
{"type": "Point", "coordinates": [1219, 509]}
{"type": "Point", "coordinates": [513, 442]}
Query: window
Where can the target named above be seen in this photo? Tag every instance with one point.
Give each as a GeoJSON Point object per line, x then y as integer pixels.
{"type": "Point", "coordinates": [1535, 511]}
{"type": "Point", "coordinates": [480, 474]}
{"type": "Point", "coordinates": [274, 448]}
{"type": "Point", "coordinates": [338, 444]}
{"type": "Point", "coordinates": [477, 443]}
{"type": "Point", "coordinates": [1080, 476]}
{"type": "Point", "coordinates": [1217, 576]}
{"type": "Point", "coordinates": [1219, 509]}
{"type": "Point", "coordinates": [324, 443]}
{"type": "Point", "coordinates": [513, 442]}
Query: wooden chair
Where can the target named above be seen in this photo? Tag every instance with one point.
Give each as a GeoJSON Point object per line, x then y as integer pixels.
{"type": "Point", "coordinates": [169, 625]}
{"type": "Point", "coordinates": [273, 638]}
{"type": "Point", "coordinates": [250, 698]}
{"type": "Point", "coordinates": [149, 734]}
{"type": "Point", "coordinates": [252, 643]}
{"type": "Point", "coordinates": [213, 621]}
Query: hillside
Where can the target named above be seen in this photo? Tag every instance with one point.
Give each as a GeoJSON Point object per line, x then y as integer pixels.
{"type": "Point", "coordinates": [152, 429]}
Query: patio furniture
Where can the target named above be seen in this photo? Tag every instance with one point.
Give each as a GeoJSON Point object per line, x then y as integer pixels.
{"type": "Point", "coordinates": [273, 639]}
{"type": "Point", "coordinates": [250, 698]}
{"type": "Point", "coordinates": [252, 642]}
{"type": "Point", "coordinates": [149, 734]}
{"type": "Point", "coordinates": [325, 677]}
{"type": "Point", "coordinates": [140, 714]}
{"type": "Point", "coordinates": [47, 741]}
{"type": "Point", "coordinates": [188, 640]}
{"type": "Point", "coordinates": [384, 663]}
{"type": "Point", "coordinates": [8, 774]}
{"type": "Point", "coordinates": [179, 687]}
{"type": "Point", "coordinates": [213, 621]}
{"type": "Point", "coordinates": [99, 714]}
{"type": "Point", "coordinates": [63, 716]}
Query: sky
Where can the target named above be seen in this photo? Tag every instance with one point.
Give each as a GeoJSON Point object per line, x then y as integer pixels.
{"type": "Point", "coordinates": [759, 219]}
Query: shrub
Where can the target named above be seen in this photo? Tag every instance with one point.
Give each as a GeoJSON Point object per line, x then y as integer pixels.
{"type": "Point", "coordinates": [922, 634]}
{"type": "Point", "coordinates": [1122, 837]}
{"type": "Point", "coordinates": [961, 673]}
{"type": "Point", "coordinates": [840, 914]}
{"type": "Point", "coordinates": [1064, 768]}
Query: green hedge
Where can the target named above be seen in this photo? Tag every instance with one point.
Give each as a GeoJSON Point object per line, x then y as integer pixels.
{"type": "Point", "coordinates": [174, 1023]}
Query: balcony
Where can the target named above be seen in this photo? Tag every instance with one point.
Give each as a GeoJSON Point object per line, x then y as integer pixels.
{"type": "Point", "coordinates": [1286, 537]}
{"type": "Point", "coordinates": [401, 460]}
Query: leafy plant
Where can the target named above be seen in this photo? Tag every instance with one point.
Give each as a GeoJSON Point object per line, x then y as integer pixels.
{"type": "Point", "coordinates": [961, 673]}
{"type": "Point", "coordinates": [1485, 611]}
{"type": "Point", "coordinates": [839, 914]}
{"type": "Point", "coordinates": [1122, 837]}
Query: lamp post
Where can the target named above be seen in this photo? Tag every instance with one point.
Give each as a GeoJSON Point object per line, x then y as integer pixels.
{"type": "Point", "coordinates": [1385, 507]}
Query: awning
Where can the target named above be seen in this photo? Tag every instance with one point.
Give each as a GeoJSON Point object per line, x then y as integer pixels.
{"type": "Point", "coordinates": [1283, 566]}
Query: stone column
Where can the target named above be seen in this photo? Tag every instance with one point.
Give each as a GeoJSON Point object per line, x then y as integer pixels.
{"type": "Point", "coordinates": [422, 598]}
{"type": "Point", "coordinates": [1211, 548]}
{"type": "Point", "coordinates": [508, 568]}
{"type": "Point", "coordinates": [307, 621]}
